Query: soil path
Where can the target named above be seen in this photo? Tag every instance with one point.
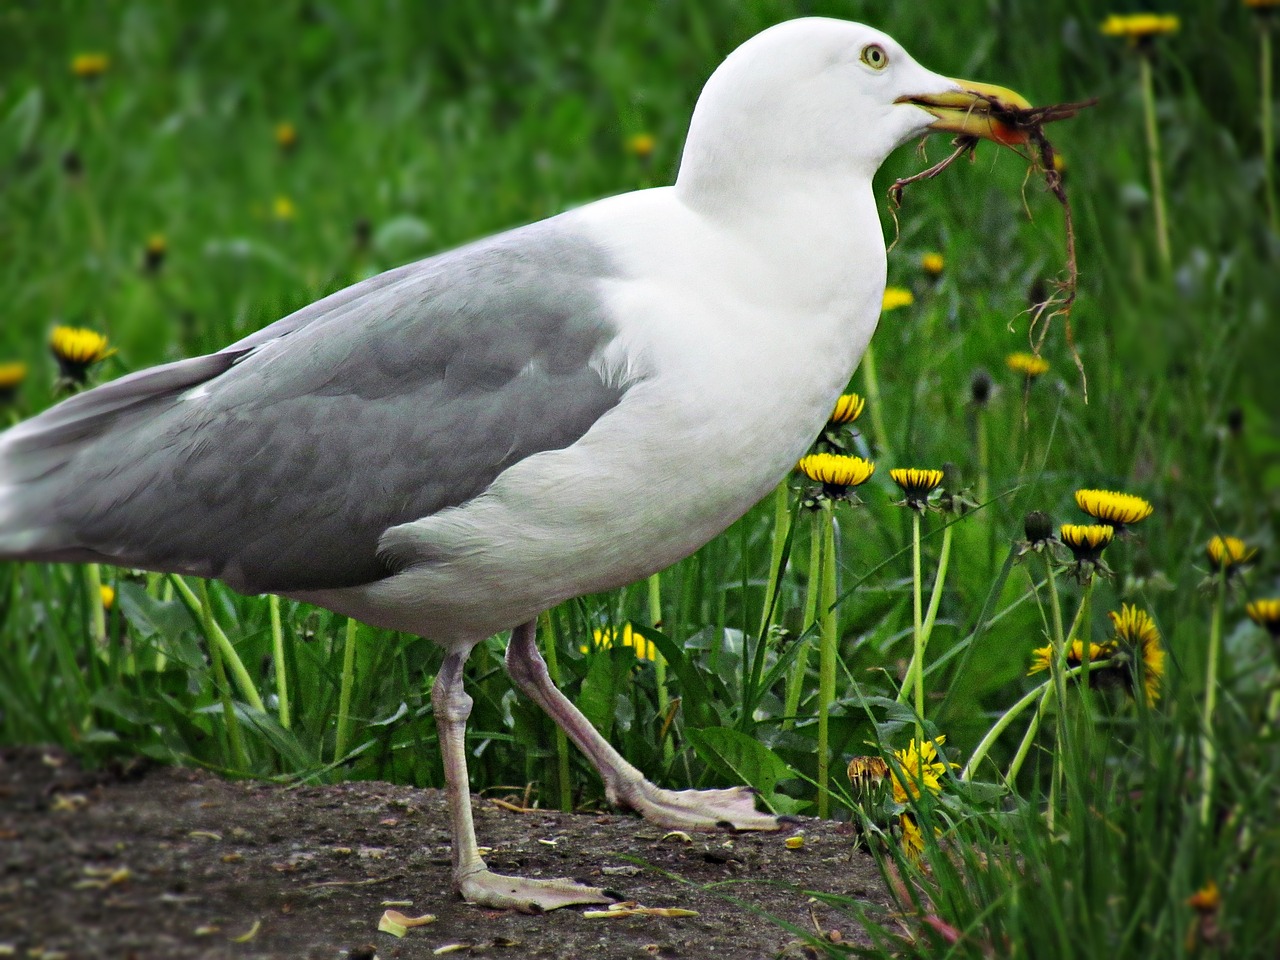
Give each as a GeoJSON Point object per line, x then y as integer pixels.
{"type": "Point", "coordinates": [160, 862]}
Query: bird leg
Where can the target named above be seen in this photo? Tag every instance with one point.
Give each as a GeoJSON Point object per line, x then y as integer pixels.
{"type": "Point", "coordinates": [471, 876]}
{"type": "Point", "coordinates": [624, 785]}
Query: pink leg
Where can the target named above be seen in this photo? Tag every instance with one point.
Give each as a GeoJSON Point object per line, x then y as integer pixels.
{"type": "Point", "coordinates": [471, 876]}
{"type": "Point", "coordinates": [624, 785]}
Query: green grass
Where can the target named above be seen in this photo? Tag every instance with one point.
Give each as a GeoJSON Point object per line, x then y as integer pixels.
{"type": "Point", "coordinates": [435, 124]}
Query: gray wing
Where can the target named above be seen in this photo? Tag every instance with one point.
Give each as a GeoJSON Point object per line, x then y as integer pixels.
{"type": "Point", "coordinates": [277, 463]}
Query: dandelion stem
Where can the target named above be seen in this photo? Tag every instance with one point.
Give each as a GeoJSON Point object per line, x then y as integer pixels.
{"type": "Point", "coordinates": [97, 612]}
{"type": "Point", "coordinates": [277, 653]}
{"type": "Point", "coordinates": [826, 656]}
{"type": "Point", "coordinates": [795, 681]}
{"type": "Point", "coordinates": [935, 595]}
{"type": "Point", "coordinates": [344, 691]}
{"type": "Point", "coordinates": [781, 527]}
{"type": "Point", "coordinates": [984, 458]}
{"type": "Point", "coordinates": [212, 630]}
{"type": "Point", "coordinates": [550, 647]}
{"type": "Point", "coordinates": [1153, 159]}
{"type": "Point", "coordinates": [1208, 751]}
{"type": "Point", "coordinates": [202, 610]}
{"type": "Point", "coordinates": [1048, 695]}
{"type": "Point", "coordinates": [659, 666]}
{"type": "Point", "coordinates": [1044, 693]}
{"type": "Point", "coordinates": [1268, 126]}
{"type": "Point", "coordinates": [868, 367]}
{"type": "Point", "coordinates": [916, 670]}
{"type": "Point", "coordinates": [1002, 724]}
{"type": "Point", "coordinates": [1060, 691]}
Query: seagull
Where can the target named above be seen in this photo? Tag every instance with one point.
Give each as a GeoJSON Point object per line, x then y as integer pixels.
{"type": "Point", "coordinates": [454, 446]}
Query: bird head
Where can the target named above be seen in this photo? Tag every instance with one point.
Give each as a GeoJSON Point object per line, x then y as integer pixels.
{"type": "Point", "coordinates": [822, 96]}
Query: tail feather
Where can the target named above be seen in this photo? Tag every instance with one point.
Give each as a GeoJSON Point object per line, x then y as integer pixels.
{"type": "Point", "coordinates": [35, 454]}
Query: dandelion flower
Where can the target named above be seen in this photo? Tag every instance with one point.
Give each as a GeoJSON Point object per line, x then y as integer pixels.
{"type": "Point", "coordinates": [1120, 510]}
{"type": "Point", "coordinates": [154, 252]}
{"type": "Point", "coordinates": [1266, 614]}
{"type": "Point", "coordinates": [77, 349]}
{"type": "Point", "coordinates": [1207, 899]}
{"type": "Point", "coordinates": [1139, 28]}
{"type": "Point", "coordinates": [932, 264]}
{"type": "Point", "coordinates": [12, 376]}
{"type": "Point", "coordinates": [916, 484]}
{"type": "Point", "coordinates": [286, 136]}
{"type": "Point", "coordinates": [1027, 364]}
{"type": "Point", "coordinates": [1086, 541]}
{"type": "Point", "coordinates": [607, 637]}
{"type": "Point", "coordinates": [918, 765]}
{"type": "Point", "coordinates": [641, 145]}
{"type": "Point", "coordinates": [895, 297]}
{"type": "Point", "coordinates": [108, 596]}
{"type": "Point", "coordinates": [90, 66]}
{"type": "Point", "coordinates": [837, 473]}
{"type": "Point", "coordinates": [848, 409]}
{"type": "Point", "coordinates": [1042, 657]}
{"type": "Point", "coordinates": [1137, 633]}
{"type": "Point", "coordinates": [282, 209]}
{"type": "Point", "coordinates": [912, 838]}
{"type": "Point", "coordinates": [1228, 553]}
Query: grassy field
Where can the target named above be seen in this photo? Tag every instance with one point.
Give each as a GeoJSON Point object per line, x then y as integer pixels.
{"type": "Point", "coordinates": [227, 165]}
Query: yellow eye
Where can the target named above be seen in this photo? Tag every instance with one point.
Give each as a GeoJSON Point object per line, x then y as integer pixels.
{"type": "Point", "coordinates": [873, 56]}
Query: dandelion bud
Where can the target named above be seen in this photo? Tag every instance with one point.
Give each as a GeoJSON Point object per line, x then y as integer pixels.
{"type": "Point", "coordinates": [980, 387]}
{"type": "Point", "coordinates": [1038, 527]}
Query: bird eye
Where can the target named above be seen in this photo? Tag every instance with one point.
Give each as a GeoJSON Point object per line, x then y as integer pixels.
{"type": "Point", "coordinates": [873, 56]}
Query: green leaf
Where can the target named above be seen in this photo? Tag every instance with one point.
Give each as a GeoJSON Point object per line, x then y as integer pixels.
{"type": "Point", "coordinates": [737, 755]}
{"type": "Point", "coordinates": [23, 120]}
{"type": "Point", "coordinates": [149, 616]}
{"type": "Point", "coordinates": [599, 688]}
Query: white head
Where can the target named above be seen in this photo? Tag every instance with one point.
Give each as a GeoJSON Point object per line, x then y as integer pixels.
{"type": "Point", "coordinates": [820, 98]}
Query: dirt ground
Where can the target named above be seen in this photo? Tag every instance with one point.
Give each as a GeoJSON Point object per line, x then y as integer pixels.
{"type": "Point", "coordinates": [142, 861]}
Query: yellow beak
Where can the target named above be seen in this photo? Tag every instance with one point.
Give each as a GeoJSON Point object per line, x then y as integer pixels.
{"type": "Point", "coordinates": [976, 110]}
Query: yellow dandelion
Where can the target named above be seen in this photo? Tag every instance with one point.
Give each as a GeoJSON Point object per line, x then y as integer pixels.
{"type": "Point", "coordinates": [912, 838]}
{"type": "Point", "coordinates": [848, 409]}
{"type": "Point", "coordinates": [641, 145]}
{"type": "Point", "coordinates": [916, 484]}
{"type": "Point", "coordinates": [154, 252]}
{"type": "Point", "coordinates": [918, 765]}
{"type": "Point", "coordinates": [1207, 899]}
{"type": "Point", "coordinates": [108, 596]}
{"type": "Point", "coordinates": [837, 473]}
{"type": "Point", "coordinates": [282, 208]}
{"type": "Point", "coordinates": [1027, 364]}
{"type": "Point", "coordinates": [286, 136]}
{"type": "Point", "coordinates": [895, 297]}
{"type": "Point", "coordinates": [1266, 614]}
{"type": "Point", "coordinates": [1135, 629]}
{"type": "Point", "coordinates": [1042, 657]}
{"type": "Point", "coordinates": [1227, 553]}
{"type": "Point", "coordinates": [1118, 509]}
{"type": "Point", "coordinates": [77, 349]}
{"type": "Point", "coordinates": [932, 264]}
{"type": "Point", "coordinates": [1086, 541]}
{"type": "Point", "coordinates": [606, 638]}
{"type": "Point", "coordinates": [90, 66]}
{"type": "Point", "coordinates": [1139, 27]}
{"type": "Point", "coordinates": [12, 376]}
